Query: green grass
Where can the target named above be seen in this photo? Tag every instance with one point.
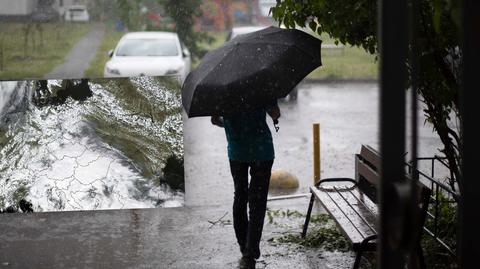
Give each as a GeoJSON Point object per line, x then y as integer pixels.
{"type": "Point", "coordinates": [46, 47]}
{"type": "Point", "coordinates": [347, 63]}
{"type": "Point", "coordinates": [110, 40]}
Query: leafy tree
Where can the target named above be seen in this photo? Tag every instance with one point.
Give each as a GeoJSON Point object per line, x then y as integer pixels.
{"type": "Point", "coordinates": [184, 13]}
{"type": "Point", "coordinates": [354, 22]}
{"type": "Point", "coordinates": [129, 13]}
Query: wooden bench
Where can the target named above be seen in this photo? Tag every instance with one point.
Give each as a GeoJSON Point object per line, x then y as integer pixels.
{"type": "Point", "coordinates": [352, 204]}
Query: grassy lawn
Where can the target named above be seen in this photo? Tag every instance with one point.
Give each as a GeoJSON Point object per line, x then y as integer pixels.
{"type": "Point", "coordinates": [109, 42]}
{"type": "Point", "coordinates": [46, 47]}
{"type": "Point", "coordinates": [347, 63]}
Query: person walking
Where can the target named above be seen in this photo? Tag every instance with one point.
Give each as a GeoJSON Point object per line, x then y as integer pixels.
{"type": "Point", "coordinates": [250, 149]}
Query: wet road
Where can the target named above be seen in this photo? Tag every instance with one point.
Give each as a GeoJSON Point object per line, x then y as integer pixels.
{"type": "Point", "coordinates": [348, 117]}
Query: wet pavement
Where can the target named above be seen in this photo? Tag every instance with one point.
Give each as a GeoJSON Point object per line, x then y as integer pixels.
{"type": "Point", "coordinates": [188, 237]}
{"type": "Point", "coordinates": [348, 117]}
{"type": "Point", "coordinates": [201, 235]}
{"type": "Point", "coordinates": [80, 56]}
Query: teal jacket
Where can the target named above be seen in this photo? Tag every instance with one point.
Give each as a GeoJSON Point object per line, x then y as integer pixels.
{"type": "Point", "coordinates": [248, 136]}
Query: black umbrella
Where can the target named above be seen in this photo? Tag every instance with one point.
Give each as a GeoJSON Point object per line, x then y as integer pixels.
{"type": "Point", "coordinates": [250, 71]}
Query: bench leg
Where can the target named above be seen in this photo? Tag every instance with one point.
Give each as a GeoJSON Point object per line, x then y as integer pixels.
{"type": "Point", "coordinates": [307, 218]}
{"type": "Point", "coordinates": [363, 246]}
{"type": "Point", "coordinates": [358, 259]}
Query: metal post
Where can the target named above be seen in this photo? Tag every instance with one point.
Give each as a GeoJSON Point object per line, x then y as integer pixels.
{"type": "Point", "coordinates": [393, 17]}
{"type": "Point", "coordinates": [469, 234]}
{"type": "Point", "coordinates": [316, 153]}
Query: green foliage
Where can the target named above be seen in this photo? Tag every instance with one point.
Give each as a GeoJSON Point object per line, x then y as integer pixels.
{"type": "Point", "coordinates": [350, 21]}
{"type": "Point", "coordinates": [354, 22]}
{"type": "Point", "coordinates": [184, 13]}
{"type": "Point", "coordinates": [327, 238]}
{"type": "Point", "coordinates": [129, 13]}
{"type": "Point", "coordinates": [437, 256]}
{"type": "Point", "coordinates": [271, 214]}
{"type": "Point", "coordinates": [322, 233]}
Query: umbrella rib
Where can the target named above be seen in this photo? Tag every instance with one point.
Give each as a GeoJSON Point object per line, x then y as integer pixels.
{"type": "Point", "coordinates": [211, 69]}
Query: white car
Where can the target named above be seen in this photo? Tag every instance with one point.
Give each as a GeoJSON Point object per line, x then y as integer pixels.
{"type": "Point", "coordinates": [236, 31]}
{"type": "Point", "coordinates": [76, 13]}
{"type": "Point", "coordinates": [149, 54]}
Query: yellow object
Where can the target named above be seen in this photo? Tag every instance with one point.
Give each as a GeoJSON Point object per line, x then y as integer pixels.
{"type": "Point", "coordinates": [316, 152]}
{"type": "Point", "coordinates": [282, 179]}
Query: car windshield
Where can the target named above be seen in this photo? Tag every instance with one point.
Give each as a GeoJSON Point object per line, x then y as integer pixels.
{"type": "Point", "coordinates": [148, 47]}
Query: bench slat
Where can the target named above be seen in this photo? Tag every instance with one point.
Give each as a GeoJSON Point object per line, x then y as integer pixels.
{"type": "Point", "coordinates": [365, 200]}
{"type": "Point", "coordinates": [337, 215]}
{"type": "Point", "coordinates": [355, 220]}
{"type": "Point", "coordinates": [358, 216]}
{"type": "Point", "coordinates": [368, 173]}
{"type": "Point", "coordinates": [367, 213]}
{"type": "Point", "coordinates": [371, 155]}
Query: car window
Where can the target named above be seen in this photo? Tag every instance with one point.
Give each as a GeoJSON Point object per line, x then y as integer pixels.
{"type": "Point", "coordinates": [148, 47]}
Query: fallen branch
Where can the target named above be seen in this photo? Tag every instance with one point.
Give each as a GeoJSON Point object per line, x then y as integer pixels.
{"type": "Point", "coordinates": [217, 221]}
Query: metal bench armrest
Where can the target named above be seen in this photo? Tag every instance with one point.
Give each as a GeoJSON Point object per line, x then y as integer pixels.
{"type": "Point", "coordinates": [336, 179]}
{"type": "Point", "coordinates": [369, 238]}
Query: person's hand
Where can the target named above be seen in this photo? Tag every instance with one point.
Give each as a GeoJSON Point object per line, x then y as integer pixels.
{"type": "Point", "coordinates": [274, 113]}
{"type": "Point", "coordinates": [217, 120]}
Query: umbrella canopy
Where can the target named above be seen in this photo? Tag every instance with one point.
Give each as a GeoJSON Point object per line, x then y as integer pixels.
{"type": "Point", "coordinates": [250, 71]}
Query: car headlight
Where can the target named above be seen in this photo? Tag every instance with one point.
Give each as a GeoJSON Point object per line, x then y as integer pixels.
{"type": "Point", "coordinates": [113, 71]}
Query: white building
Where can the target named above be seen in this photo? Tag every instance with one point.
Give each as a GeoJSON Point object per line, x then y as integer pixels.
{"type": "Point", "coordinates": [17, 8]}
{"type": "Point", "coordinates": [25, 8]}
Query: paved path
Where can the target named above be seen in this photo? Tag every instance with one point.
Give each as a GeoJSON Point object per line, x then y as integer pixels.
{"type": "Point", "coordinates": [80, 56]}
{"type": "Point", "coordinates": [182, 238]}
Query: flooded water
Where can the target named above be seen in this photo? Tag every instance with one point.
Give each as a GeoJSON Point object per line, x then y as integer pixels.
{"type": "Point", "coordinates": [348, 117]}
{"type": "Point", "coordinates": [106, 152]}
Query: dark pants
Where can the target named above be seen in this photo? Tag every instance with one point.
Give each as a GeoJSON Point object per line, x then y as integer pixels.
{"type": "Point", "coordinates": [248, 227]}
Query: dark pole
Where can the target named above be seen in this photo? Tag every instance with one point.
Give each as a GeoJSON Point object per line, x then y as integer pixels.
{"type": "Point", "coordinates": [469, 233]}
{"type": "Point", "coordinates": [414, 79]}
{"type": "Point", "coordinates": [393, 32]}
